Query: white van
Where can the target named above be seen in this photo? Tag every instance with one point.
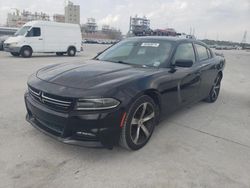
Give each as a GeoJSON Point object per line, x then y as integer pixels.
{"type": "Point", "coordinates": [45, 37]}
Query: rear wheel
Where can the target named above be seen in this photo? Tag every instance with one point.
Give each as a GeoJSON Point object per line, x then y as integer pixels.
{"type": "Point", "coordinates": [139, 123]}
{"type": "Point", "coordinates": [26, 52]}
{"type": "Point", "coordinates": [214, 92]}
{"type": "Point", "coordinates": [71, 51]}
{"type": "Point", "coordinates": [16, 54]}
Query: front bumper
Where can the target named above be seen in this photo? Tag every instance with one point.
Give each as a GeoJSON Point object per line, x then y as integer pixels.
{"type": "Point", "coordinates": [90, 129]}
{"type": "Point", "coordinates": [9, 48]}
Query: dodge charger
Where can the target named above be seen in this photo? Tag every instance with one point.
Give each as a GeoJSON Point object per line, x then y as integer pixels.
{"type": "Point", "coordinates": [118, 97]}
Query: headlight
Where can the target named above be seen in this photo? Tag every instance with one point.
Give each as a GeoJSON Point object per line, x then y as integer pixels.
{"type": "Point", "coordinates": [97, 104]}
{"type": "Point", "coordinates": [13, 44]}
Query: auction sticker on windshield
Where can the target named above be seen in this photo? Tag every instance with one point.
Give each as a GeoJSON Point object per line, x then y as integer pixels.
{"type": "Point", "coordinates": [150, 45]}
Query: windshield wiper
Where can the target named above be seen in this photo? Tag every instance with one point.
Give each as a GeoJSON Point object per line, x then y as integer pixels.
{"type": "Point", "coordinates": [126, 63]}
{"type": "Point", "coordinates": [123, 62]}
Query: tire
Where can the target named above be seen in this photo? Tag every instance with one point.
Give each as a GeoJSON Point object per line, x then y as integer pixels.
{"type": "Point", "coordinates": [59, 53]}
{"type": "Point", "coordinates": [139, 123]}
{"type": "Point", "coordinates": [16, 54]}
{"type": "Point", "coordinates": [71, 51]}
{"type": "Point", "coordinates": [26, 52]}
{"type": "Point", "coordinates": [215, 90]}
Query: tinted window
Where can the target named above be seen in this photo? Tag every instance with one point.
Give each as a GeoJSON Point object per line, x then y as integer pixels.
{"type": "Point", "coordinates": [185, 52]}
{"type": "Point", "coordinates": [202, 52]}
{"type": "Point", "coordinates": [35, 32]}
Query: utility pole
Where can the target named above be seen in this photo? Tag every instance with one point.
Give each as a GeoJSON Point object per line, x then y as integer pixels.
{"type": "Point", "coordinates": [244, 40]}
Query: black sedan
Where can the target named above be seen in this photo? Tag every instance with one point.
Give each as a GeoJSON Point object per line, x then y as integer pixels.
{"type": "Point", "coordinates": [119, 96]}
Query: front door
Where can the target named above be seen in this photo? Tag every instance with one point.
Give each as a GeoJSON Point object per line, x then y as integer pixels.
{"type": "Point", "coordinates": [187, 78]}
{"type": "Point", "coordinates": [35, 40]}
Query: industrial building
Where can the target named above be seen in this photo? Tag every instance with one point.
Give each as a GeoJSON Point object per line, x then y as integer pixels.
{"type": "Point", "coordinates": [59, 18]}
{"type": "Point", "coordinates": [17, 19]}
{"type": "Point", "coordinates": [90, 31]}
{"type": "Point", "coordinates": [72, 13]}
{"type": "Point", "coordinates": [139, 26]}
{"type": "Point", "coordinates": [90, 26]}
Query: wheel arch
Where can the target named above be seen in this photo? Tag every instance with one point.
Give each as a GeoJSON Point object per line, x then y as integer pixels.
{"type": "Point", "coordinates": [72, 46]}
{"type": "Point", "coordinates": [155, 95]}
{"type": "Point", "coordinates": [152, 93]}
{"type": "Point", "coordinates": [26, 46]}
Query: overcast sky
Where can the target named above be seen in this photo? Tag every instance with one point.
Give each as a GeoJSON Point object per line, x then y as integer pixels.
{"type": "Point", "coordinates": [213, 19]}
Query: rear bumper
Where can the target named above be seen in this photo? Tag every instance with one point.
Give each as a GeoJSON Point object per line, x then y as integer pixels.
{"type": "Point", "coordinates": [100, 129]}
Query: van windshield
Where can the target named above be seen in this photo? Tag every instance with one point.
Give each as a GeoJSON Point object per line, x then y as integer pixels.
{"type": "Point", "coordinates": [22, 31]}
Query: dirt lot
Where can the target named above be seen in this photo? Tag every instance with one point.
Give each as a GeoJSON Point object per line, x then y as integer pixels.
{"type": "Point", "coordinates": [206, 145]}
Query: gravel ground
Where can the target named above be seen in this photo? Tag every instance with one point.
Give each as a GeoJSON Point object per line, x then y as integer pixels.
{"type": "Point", "coordinates": [205, 145]}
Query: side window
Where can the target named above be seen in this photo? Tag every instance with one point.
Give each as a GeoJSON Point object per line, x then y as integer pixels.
{"type": "Point", "coordinates": [185, 51]}
{"type": "Point", "coordinates": [209, 53]}
{"type": "Point", "coordinates": [202, 52]}
{"type": "Point", "coordinates": [34, 32]}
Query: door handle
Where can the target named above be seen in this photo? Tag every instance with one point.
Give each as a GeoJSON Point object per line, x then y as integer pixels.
{"type": "Point", "coordinates": [40, 39]}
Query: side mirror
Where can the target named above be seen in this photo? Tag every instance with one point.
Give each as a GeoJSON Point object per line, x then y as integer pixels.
{"type": "Point", "coordinates": [28, 34]}
{"type": "Point", "coordinates": [184, 63]}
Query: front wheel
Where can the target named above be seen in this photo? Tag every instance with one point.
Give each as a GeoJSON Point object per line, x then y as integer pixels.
{"type": "Point", "coordinates": [214, 92]}
{"type": "Point", "coordinates": [26, 52]}
{"type": "Point", "coordinates": [139, 123]}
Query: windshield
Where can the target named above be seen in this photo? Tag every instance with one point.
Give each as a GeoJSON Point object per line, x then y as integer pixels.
{"type": "Point", "coordinates": [139, 52]}
{"type": "Point", "coordinates": [22, 31]}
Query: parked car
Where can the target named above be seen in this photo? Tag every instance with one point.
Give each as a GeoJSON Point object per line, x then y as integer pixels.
{"type": "Point", "coordinates": [2, 39]}
{"type": "Point", "coordinates": [45, 36]}
{"type": "Point", "coordinates": [119, 96]}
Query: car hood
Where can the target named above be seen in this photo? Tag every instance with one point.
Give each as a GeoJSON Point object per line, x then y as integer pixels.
{"type": "Point", "coordinates": [91, 74]}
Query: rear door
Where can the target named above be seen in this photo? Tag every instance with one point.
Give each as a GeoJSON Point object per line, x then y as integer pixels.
{"type": "Point", "coordinates": [207, 69]}
{"type": "Point", "coordinates": [35, 40]}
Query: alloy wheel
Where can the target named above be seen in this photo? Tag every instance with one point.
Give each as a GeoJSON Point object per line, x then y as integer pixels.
{"type": "Point", "coordinates": [142, 123]}
{"type": "Point", "coordinates": [216, 88]}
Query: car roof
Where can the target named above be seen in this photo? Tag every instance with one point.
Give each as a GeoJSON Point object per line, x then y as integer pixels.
{"type": "Point", "coordinates": [167, 38]}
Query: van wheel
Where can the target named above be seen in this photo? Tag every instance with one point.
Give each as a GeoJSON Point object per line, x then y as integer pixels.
{"type": "Point", "coordinates": [26, 52]}
{"type": "Point", "coordinates": [59, 53]}
{"type": "Point", "coordinates": [16, 54]}
{"type": "Point", "coordinates": [71, 51]}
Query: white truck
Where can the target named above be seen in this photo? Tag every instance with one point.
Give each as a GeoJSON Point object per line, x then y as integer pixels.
{"type": "Point", "coordinates": [45, 37]}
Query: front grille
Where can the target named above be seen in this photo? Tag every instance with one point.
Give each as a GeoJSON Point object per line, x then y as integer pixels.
{"type": "Point", "coordinates": [6, 45]}
{"type": "Point", "coordinates": [52, 101]}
